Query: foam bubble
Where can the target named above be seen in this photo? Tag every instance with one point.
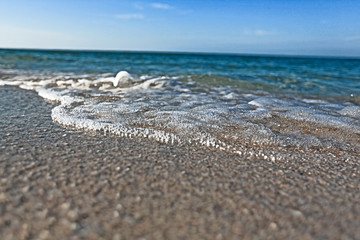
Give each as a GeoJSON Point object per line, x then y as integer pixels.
{"type": "Point", "coordinates": [122, 78]}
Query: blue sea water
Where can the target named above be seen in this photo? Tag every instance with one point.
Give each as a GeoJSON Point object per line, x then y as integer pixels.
{"type": "Point", "coordinates": [218, 100]}
{"type": "Point", "coordinates": [284, 74]}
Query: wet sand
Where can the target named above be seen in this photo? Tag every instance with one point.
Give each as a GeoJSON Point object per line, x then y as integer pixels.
{"type": "Point", "coordinates": [58, 183]}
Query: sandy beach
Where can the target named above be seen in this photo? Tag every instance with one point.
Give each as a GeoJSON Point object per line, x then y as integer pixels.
{"type": "Point", "coordinates": [58, 183]}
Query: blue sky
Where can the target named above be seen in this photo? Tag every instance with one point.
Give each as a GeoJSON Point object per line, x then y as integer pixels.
{"type": "Point", "coordinates": [317, 27]}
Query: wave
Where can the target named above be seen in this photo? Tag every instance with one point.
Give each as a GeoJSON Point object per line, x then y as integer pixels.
{"type": "Point", "coordinates": [177, 110]}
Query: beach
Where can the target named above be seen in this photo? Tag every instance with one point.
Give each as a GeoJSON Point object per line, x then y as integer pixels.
{"type": "Point", "coordinates": [62, 183]}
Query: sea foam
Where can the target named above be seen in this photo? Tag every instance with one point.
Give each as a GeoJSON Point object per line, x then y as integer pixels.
{"type": "Point", "coordinates": [168, 110]}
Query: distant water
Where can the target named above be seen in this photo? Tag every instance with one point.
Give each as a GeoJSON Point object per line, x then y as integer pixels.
{"type": "Point", "coordinates": [217, 100]}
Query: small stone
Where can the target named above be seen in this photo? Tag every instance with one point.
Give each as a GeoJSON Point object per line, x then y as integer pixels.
{"type": "Point", "coordinates": [65, 206]}
{"type": "Point", "coordinates": [245, 211]}
{"type": "Point", "coordinates": [44, 234]}
{"type": "Point", "coordinates": [116, 237]}
{"type": "Point", "coordinates": [2, 197]}
{"type": "Point", "coordinates": [322, 182]}
{"type": "Point", "coordinates": [25, 189]}
{"type": "Point", "coordinates": [296, 213]}
{"type": "Point", "coordinates": [72, 214]}
{"type": "Point", "coordinates": [116, 214]}
{"type": "Point", "coordinates": [273, 225]}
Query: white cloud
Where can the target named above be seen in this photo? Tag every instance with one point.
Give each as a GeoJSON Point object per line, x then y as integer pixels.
{"type": "Point", "coordinates": [161, 6]}
{"type": "Point", "coordinates": [260, 32]}
{"type": "Point", "coordinates": [353, 38]}
{"type": "Point", "coordinates": [130, 16]}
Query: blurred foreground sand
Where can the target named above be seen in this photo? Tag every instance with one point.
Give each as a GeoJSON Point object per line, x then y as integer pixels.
{"type": "Point", "coordinates": [57, 183]}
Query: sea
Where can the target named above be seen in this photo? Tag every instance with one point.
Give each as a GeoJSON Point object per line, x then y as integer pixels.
{"type": "Point", "coordinates": [228, 102]}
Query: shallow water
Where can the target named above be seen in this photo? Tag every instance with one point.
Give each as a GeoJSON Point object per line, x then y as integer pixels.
{"type": "Point", "coordinates": [219, 101]}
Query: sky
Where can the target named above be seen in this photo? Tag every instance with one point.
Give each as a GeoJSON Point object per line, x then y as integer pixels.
{"type": "Point", "coordinates": [317, 27]}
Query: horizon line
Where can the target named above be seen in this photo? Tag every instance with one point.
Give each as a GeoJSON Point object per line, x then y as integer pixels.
{"type": "Point", "coordinates": [184, 52]}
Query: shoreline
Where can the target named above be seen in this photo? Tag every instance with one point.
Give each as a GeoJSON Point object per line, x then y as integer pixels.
{"type": "Point", "coordinates": [60, 183]}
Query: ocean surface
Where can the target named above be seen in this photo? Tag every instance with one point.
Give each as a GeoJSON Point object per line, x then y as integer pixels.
{"type": "Point", "coordinates": [224, 101]}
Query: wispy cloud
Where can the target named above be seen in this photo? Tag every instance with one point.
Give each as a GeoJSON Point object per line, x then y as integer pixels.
{"type": "Point", "coordinates": [13, 36]}
{"type": "Point", "coordinates": [161, 6]}
{"type": "Point", "coordinates": [12, 29]}
{"type": "Point", "coordinates": [138, 6]}
{"type": "Point", "coordinates": [353, 38]}
{"type": "Point", "coordinates": [130, 16]}
{"type": "Point", "coordinates": [257, 32]}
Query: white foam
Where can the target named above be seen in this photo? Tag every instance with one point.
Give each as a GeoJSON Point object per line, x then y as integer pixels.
{"type": "Point", "coordinates": [351, 111]}
{"type": "Point", "coordinates": [10, 83]}
{"type": "Point", "coordinates": [50, 94]}
{"type": "Point", "coordinates": [167, 110]}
